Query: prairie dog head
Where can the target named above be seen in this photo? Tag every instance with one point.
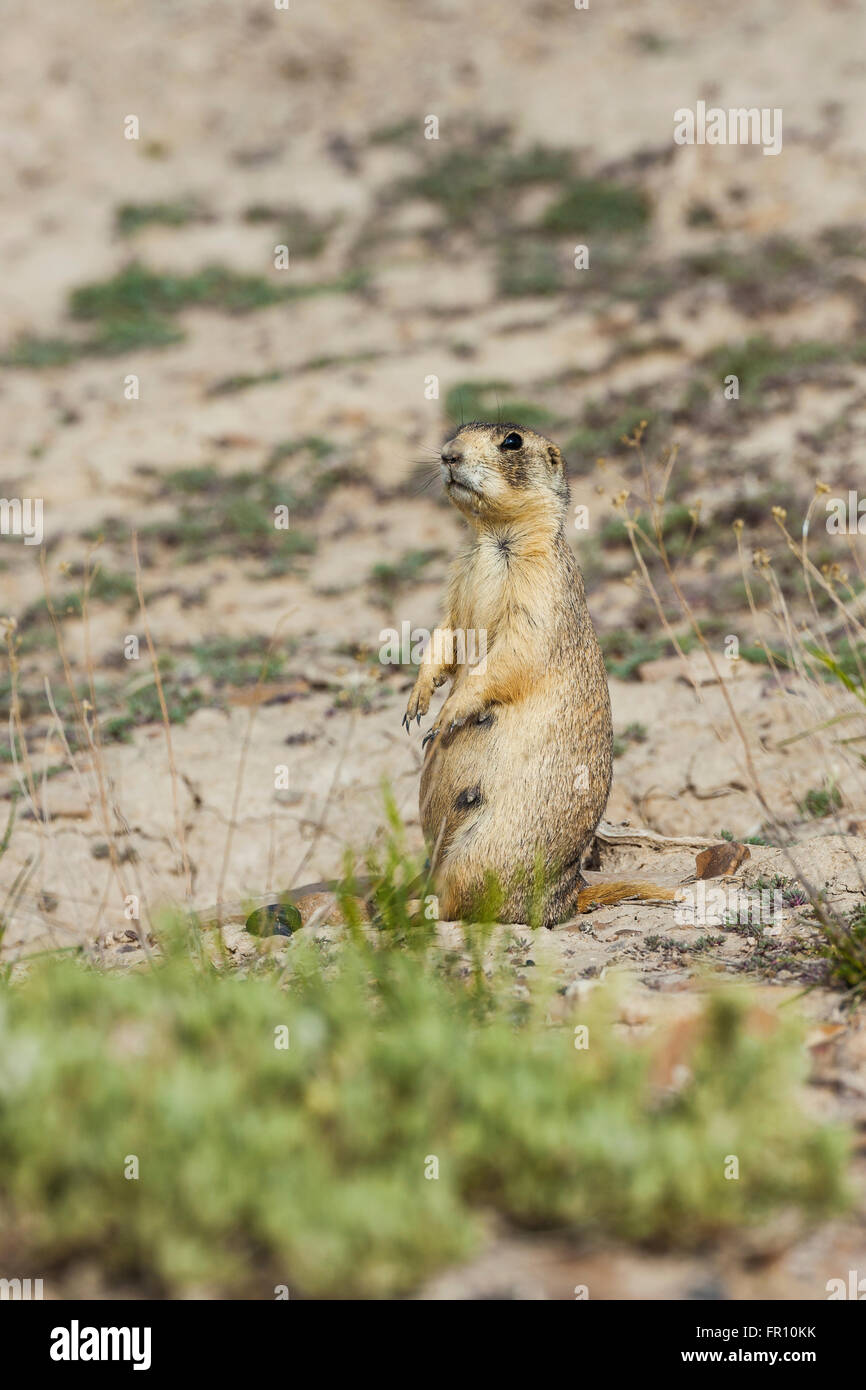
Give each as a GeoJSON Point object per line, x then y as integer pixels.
{"type": "Point", "coordinates": [504, 473]}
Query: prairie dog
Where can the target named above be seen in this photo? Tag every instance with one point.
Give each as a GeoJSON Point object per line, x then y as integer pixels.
{"type": "Point", "coordinates": [517, 769]}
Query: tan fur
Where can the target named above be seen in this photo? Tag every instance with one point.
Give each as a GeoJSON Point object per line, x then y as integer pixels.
{"type": "Point", "coordinates": [517, 777]}
{"type": "Point", "coordinates": [608, 894]}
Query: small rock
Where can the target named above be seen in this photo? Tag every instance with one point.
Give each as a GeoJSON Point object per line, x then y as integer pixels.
{"type": "Point", "coordinates": [722, 859]}
{"type": "Point", "coordinates": [274, 919]}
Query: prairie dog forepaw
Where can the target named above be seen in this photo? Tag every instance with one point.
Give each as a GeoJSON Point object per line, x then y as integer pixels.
{"type": "Point", "coordinates": [452, 719]}
{"type": "Point", "coordinates": [419, 700]}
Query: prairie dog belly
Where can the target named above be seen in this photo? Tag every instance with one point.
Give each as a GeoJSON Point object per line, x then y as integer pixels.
{"type": "Point", "coordinates": [531, 779]}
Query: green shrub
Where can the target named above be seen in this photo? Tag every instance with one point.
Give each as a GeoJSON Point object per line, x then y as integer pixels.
{"type": "Point", "coordinates": [306, 1165]}
{"type": "Point", "coordinates": [597, 205]}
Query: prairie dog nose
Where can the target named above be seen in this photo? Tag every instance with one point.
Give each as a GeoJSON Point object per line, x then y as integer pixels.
{"type": "Point", "coordinates": [451, 454]}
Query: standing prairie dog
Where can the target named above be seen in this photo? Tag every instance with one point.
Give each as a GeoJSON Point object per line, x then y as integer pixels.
{"type": "Point", "coordinates": [518, 767]}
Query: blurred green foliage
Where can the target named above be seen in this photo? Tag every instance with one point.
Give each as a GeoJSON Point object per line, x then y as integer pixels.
{"type": "Point", "coordinates": [305, 1165]}
{"type": "Point", "coordinates": [487, 400]}
{"type": "Point", "coordinates": [130, 218]}
{"type": "Point", "coordinates": [136, 308]}
{"type": "Point", "coordinates": [598, 205]}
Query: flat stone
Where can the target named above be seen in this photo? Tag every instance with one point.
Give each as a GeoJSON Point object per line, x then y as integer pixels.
{"type": "Point", "coordinates": [722, 859]}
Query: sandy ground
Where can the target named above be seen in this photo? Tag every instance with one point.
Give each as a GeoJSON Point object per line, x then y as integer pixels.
{"type": "Point", "coordinates": [242, 106]}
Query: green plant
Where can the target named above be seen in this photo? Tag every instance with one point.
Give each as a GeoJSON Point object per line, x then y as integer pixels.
{"type": "Point", "coordinates": [845, 951]}
{"type": "Point", "coordinates": [136, 308]}
{"type": "Point", "coordinates": [131, 217]}
{"type": "Point", "coordinates": [236, 513]}
{"type": "Point", "coordinates": [597, 205]}
{"type": "Point", "coordinates": [624, 651]}
{"type": "Point", "coordinates": [745, 839]}
{"type": "Point", "coordinates": [759, 363]}
{"type": "Point", "coordinates": [485, 400]}
{"type": "Point", "coordinates": [304, 1164]}
{"type": "Point", "coordinates": [408, 569]}
{"type": "Point", "coordinates": [481, 177]}
{"type": "Point", "coordinates": [821, 801]}
{"type": "Point", "coordinates": [527, 268]}
{"type": "Point", "coordinates": [305, 235]}
{"type": "Point", "coordinates": [606, 423]}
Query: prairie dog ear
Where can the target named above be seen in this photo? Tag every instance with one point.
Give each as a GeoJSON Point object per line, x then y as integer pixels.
{"type": "Point", "coordinates": [555, 456]}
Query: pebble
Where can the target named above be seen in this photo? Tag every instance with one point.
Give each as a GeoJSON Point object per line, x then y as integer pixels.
{"type": "Point", "coordinates": [274, 919]}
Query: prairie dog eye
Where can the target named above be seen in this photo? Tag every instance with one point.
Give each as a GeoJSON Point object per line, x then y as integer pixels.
{"type": "Point", "coordinates": [512, 441]}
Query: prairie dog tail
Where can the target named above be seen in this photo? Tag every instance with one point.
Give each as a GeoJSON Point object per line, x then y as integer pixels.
{"type": "Point", "coordinates": [606, 894]}
{"type": "Point", "coordinates": [598, 895]}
